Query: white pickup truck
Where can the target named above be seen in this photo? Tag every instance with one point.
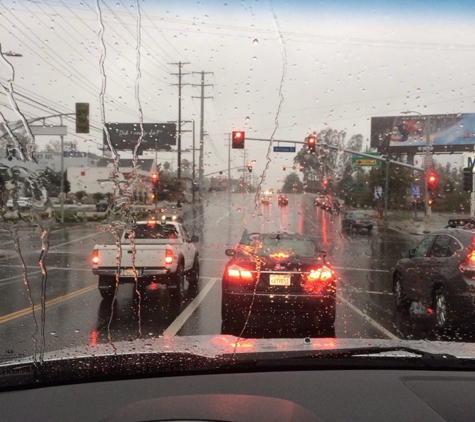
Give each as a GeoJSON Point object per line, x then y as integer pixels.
{"type": "Point", "coordinates": [151, 252]}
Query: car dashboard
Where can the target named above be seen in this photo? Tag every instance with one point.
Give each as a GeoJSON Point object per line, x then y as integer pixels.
{"type": "Point", "coordinates": [298, 395]}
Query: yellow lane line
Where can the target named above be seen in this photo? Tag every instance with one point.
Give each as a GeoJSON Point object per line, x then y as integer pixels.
{"type": "Point", "coordinates": [49, 303]}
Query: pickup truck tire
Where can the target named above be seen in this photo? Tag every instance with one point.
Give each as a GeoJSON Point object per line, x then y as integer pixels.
{"type": "Point", "coordinates": [194, 274]}
{"type": "Point", "coordinates": [107, 286]}
{"type": "Point", "coordinates": [178, 279]}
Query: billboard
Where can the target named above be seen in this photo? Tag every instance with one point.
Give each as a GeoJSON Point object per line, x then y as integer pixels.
{"type": "Point", "coordinates": [124, 136]}
{"type": "Point", "coordinates": [407, 134]}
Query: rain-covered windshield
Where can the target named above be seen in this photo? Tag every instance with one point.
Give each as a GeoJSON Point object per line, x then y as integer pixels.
{"type": "Point", "coordinates": [119, 112]}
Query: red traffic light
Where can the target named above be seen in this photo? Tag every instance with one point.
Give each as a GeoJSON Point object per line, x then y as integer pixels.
{"type": "Point", "coordinates": [154, 176]}
{"type": "Point", "coordinates": [311, 142]}
{"type": "Point", "coordinates": [431, 182]}
{"type": "Point", "coordinates": [238, 138]}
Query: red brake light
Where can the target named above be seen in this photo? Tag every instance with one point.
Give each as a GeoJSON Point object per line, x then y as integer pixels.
{"type": "Point", "coordinates": [322, 274]}
{"type": "Point", "coordinates": [95, 256]}
{"type": "Point", "coordinates": [469, 263]}
{"type": "Point", "coordinates": [168, 256]}
{"type": "Point", "coordinates": [280, 255]}
{"type": "Point", "coordinates": [238, 273]}
{"type": "Point", "coordinates": [317, 279]}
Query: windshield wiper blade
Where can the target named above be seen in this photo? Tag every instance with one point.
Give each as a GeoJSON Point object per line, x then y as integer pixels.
{"type": "Point", "coordinates": [363, 356]}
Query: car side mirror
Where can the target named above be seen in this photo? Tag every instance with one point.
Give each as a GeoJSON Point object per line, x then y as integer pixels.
{"type": "Point", "coordinates": [407, 253]}
{"type": "Point", "coordinates": [323, 254]}
{"type": "Point", "coordinates": [230, 252]}
{"type": "Point", "coordinates": [195, 239]}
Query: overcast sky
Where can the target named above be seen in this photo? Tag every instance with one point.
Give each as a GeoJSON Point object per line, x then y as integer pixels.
{"type": "Point", "coordinates": [275, 68]}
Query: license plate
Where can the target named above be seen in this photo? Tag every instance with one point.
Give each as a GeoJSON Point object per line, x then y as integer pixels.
{"type": "Point", "coordinates": [129, 272]}
{"type": "Point", "coordinates": [279, 280]}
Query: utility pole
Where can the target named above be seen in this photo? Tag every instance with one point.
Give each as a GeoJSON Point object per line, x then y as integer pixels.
{"type": "Point", "coordinates": [229, 165]}
{"type": "Point", "coordinates": [180, 84]}
{"type": "Point", "coordinates": [202, 97]}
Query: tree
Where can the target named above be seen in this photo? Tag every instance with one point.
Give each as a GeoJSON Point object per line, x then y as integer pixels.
{"type": "Point", "coordinates": [449, 195]}
{"type": "Point", "coordinates": [51, 180]}
{"type": "Point", "coordinates": [326, 163]}
{"type": "Point", "coordinates": [292, 184]}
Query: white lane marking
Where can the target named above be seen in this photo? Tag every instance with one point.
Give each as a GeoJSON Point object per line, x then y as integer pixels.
{"type": "Point", "coordinates": [369, 319]}
{"type": "Point", "coordinates": [175, 326]}
{"type": "Point", "coordinates": [360, 269]}
{"type": "Point", "coordinates": [16, 278]}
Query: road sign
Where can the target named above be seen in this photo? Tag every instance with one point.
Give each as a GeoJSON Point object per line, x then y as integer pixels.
{"type": "Point", "coordinates": [378, 192]}
{"type": "Point", "coordinates": [416, 191]}
{"type": "Point", "coordinates": [284, 149]}
{"type": "Point", "coordinates": [361, 161]}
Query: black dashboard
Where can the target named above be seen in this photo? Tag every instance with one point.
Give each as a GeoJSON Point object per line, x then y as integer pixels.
{"type": "Point", "coordinates": [301, 395]}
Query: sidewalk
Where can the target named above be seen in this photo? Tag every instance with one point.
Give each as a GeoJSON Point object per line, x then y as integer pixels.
{"type": "Point", "coordinates": [405, 222]}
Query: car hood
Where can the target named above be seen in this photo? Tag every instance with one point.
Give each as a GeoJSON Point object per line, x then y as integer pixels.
{"type": "Point", "coordinates": [226, 346]}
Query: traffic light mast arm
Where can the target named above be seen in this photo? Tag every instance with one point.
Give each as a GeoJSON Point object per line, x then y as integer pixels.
{"type": "Point", "coordinates": [362, 154]}
{"type": "Point", "coordinates": [222, 171]}
{"type": "Point", "coordinates": [382, 158]}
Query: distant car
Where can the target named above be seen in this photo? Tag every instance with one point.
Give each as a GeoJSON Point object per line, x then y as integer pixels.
{"type": "Point", "coordinates": [283, 200]}
{"type": "Point", "coordinates": [170, 217]}
{"type": "Point", "coordinates": [23, 202]}
{"type": "Point", "coordinates": [102, 205]}
{"type": "Point", "coordinates": [320, 200]}
{"type": "Point", "coordinates": [439, 274]}
{"type": "Point", "coordinates": [275, 273]}
{"type": "Point", "coordinates": [266, 199]}
{"type": "Point", "coordinates": [356, 220]}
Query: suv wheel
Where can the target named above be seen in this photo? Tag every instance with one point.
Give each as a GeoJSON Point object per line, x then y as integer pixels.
{"type": "Point", "coordinates": [441, 309]}
{"type": "Point", "coordinates": [194, 274]}
{"type": "Point", "coordinates": [400, 299]}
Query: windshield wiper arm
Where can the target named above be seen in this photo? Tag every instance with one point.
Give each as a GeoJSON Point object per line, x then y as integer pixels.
{"type": "Point", "coordinates": [364, 356]}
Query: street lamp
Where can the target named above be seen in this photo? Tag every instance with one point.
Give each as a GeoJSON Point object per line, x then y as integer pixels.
{"type": "Point", "coordinates": [12, 54]}
{"type": "Point", "coordinates": [428, 159]}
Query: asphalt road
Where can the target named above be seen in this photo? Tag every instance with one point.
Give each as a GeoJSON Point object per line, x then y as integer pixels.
{"type": "Point", "coordinates": [74, 313]}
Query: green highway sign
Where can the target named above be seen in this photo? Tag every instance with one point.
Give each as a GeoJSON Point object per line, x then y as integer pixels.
{"type": "Point", "coordinates": [362, 161]}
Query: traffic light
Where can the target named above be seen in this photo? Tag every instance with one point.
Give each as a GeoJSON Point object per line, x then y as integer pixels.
{"type": "Point", "coordinates": [154, 179]}
{"type": "Point", "coordinates": [311, 142]}
{"type": "Point", "coordinates": [431, 181]}
{"type": "Point", "coordinates": [301, 168]}
{"type": "Point", "coordinates": [430, 201]}
{"type": "Point", "coordinates": [82, 117]}
{"type": "Point", "coordinates": [238, 139]}
{"type": "Point", "coordinates": [249, 168]}
{"type": "Point", "coordinates": [467, 179]}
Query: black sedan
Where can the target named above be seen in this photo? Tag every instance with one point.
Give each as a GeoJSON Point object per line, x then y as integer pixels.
{"type": "Point", "coordinates": [275, 273]}
{"type": "Point", "coordinates": [439, 274]}
{"type": "Point", "coordinates": [283, 200]}
{"type": "Point", "coordinates": [356, 220]}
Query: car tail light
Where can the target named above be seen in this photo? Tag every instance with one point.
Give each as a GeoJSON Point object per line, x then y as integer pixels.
{"type": "Point", "coordinates": [168, 256]}
{"type": "Point", "coordinates": [321, 274]}
{"type": "Point", "coordinates": [469, 262]}
{"type": "Point", "coordinates": [237, 273]}
{"type": "Point", "coordinates": [95, 256]}
{"type": "Point", "coordinates": [317, 279]}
